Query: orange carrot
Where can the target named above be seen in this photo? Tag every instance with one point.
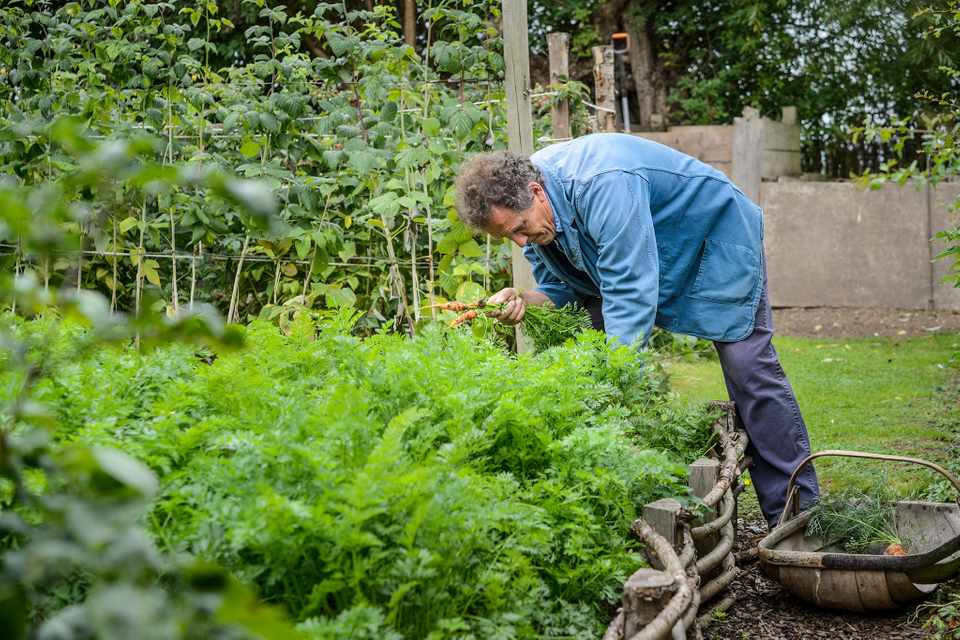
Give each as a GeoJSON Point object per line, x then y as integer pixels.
{"type": "Point", "coordinates": [451, 306]}
{"type": "Point", "coordinates": [895, 550]}
{"type": "Point", "coordinates": [466, 317]}
{"type": "Point", "coordinates": [459, 307]}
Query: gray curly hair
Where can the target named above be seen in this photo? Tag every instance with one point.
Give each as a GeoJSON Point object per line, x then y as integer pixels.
{"type": "Point", "coordinates": [494, 179]}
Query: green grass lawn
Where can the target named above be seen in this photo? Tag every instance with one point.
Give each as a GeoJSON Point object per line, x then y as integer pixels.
{"type": "Point", "coordinates": [884, 395]}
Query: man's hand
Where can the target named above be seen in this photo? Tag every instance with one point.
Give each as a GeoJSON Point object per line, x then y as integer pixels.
{"type": "Point", "coordinates": [514, 304]}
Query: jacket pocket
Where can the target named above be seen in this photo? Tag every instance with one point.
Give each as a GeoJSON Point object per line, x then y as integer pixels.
{"type": "Point", "coordinates": [728, 273]}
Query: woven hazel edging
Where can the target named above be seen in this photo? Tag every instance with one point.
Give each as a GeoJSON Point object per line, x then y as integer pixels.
{"type": "Point", "coordinates": [693, 562]}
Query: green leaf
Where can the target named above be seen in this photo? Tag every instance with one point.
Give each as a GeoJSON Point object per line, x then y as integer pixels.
{"type": "Point", "coordinates": [231, 121]}
{"type": "Point", "coordinates": [470, 249]}
{"type": "Point", "coordinates": [150, 271]}
{"type": "Point", "coordinates": [431, 127]}
{"type": "Point", "coordinates": [127, 223]}
{"type": "Point", "coordinates": [362, 161]}
{"type": "Point", "coordinates": [461, 124]}
{"type": "Point", "coordinates": [348, 251]}
{"type": "Point", "coordinates": [195, 43]}
{"type": "Point", "coordinates": [470, 291]}
{"type": "Point", "coordinates": [340, 297]}
{"type": "Point", "coordinates": [269, 122]}
{"type": "Point", "coordinates": [250, 149]}
{"type": "Point", "coordinates": [388, 112]}
{"type": "Point", "coordinates": [386, 204]}
{"type": "Point", "coordinates": [253, 195]}
{"type": "Point", "coordinates": [126, 470]}
{"type": "Point", "coordinates": [303, 247]}
{"type": "Point", "coordinates": [448, 244]}
{"type": "Point", "coordinates": [333, 158]}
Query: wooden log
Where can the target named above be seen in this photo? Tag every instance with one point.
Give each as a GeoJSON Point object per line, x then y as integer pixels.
{"type": "Point", "coordinates": [645, 594]}
{"type": "Point", "coordinates": [604, 88]}
{"type": "Point", "coordinates": [558, 47]}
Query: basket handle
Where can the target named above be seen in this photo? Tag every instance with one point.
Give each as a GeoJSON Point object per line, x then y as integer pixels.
{"type": "Point", "coordinates": [792, 507]}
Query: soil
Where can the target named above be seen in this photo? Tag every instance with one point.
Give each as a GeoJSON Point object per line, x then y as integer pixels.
{"type": "Point", "coordinates": [766, 611]}
{"type": "Point", "coordinates": [852, 322]}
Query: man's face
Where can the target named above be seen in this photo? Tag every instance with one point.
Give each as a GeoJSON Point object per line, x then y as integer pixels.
{"type": "Point", "coordinates": [530, 225]}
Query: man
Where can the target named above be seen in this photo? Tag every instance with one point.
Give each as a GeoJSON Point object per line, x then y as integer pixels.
{"type": "Point", "coordinates": [652, 236]}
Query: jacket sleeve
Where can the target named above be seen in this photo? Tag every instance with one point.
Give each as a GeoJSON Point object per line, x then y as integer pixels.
{"type": "Point", "coordinates": [614, 208]}
{"type": "Point", "coordinates": [547, 283]}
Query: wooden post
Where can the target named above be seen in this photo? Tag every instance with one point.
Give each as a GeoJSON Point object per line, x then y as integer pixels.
{"type": "Point", "coordinates": [557, 44]}
{"type": "Point", "coordinates": [662, 517]}
{"type": "Point", "coordinates": [516, 51]}
{"type": "Point", "coordinates": [704, 474]}
{"type": "Point", "coordinates": [645, 595]}
{"type": "Point", "coordinates": [604, 88]}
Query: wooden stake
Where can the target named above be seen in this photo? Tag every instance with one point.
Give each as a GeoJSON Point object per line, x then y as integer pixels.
{"type": "Point", "coordinates": [430, 296]}
{"type": "Point", "coordinates": [138, 289]}
{"type": "Point", "coordinates": [16, 275]}
{"type": "Point", "coordinates": [662, 517]}
{"type": "Point", "coordinates": [235, 294]}
{"type": "Point", "coordinates": [193, 272]}
{"type": "Point", "coordinates": [557, 44]}
{"type": "Point", "coordinates": [80, 264]}
{"type": "Point", "coordinates": [516, 50]}
{"type": "Point", "coordinates": [276, 282]}
{"type": "Point", "coordinates": [113, 294]}
{"type": "Point", "coordinates": [415, 279]}
{"type": "Point", "coordinates": [395, 275]}
{"type": "Point", "coordinates": [306, 278]}
{"type": "Point", "coordinates": [704, 474]}
{"type": "Point", "coordinates": [604, 88]}
{"type": "Point", "coordinates": [175, 298]}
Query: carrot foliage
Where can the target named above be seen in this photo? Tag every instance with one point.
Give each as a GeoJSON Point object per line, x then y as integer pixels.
{"type": "Point", "coordinates": [388, 487]}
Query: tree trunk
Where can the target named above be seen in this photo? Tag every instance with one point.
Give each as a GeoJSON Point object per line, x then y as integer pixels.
{"type": "Point", "coordinates": [648, 76]}
{"type": "Point", "coordinates": [642, 63]}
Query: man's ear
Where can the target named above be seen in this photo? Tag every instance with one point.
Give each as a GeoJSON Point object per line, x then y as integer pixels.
{"type": "Point", "coordinates": [536, 189]}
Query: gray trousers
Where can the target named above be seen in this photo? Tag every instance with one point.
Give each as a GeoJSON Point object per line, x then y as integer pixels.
{"type": "Point", "coordinates": [766, 408]}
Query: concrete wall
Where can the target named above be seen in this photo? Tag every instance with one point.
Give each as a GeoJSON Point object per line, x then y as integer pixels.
{"type": "Point", "coordinates": [712, 144]}
{"type": "Point", "coordinates": [834, 244]}
{"type": "Point", "coordinates": [829, 243]}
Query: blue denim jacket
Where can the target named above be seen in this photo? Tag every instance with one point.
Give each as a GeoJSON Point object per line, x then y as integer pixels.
{"type": "Point", "coordinates": [663, 238]}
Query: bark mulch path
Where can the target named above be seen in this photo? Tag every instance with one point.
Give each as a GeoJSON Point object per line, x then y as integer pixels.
{"type": "Point", "coordinates": [766, 611]}
{"type": "Point", "coordinates": [853, 322]}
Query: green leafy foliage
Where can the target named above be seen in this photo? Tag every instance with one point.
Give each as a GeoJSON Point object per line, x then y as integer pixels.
{"type": "Point", "coordinates": [75, 560]}
{"type": "Point", "coordinates": [681, 346]}
{"type": "Point", "coordinates": [938, 130]}
{"type": "Point", "coordinates": [356, 136]}
{"type": "Point", "coordinates": [548, 326]}
{"type": "Point", "coordinates": [428, 487]}
{"type": "Point", "coordinates": [857, 521]}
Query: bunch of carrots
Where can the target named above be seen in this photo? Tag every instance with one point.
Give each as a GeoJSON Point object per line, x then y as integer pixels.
{"type": "Point", "coordinates": [467, 310]}
{"type": "Point", "coordinates": [546, 325]}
